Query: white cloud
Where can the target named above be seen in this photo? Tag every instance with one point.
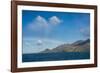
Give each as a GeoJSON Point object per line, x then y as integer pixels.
{"type": "Point", "coordinates": [38, 23]}
{"type": "Point", "coordinates": [35, 45]}
{"type": "Point", "coordinates": [85, 32]}
{"type": "Point", "coordinates": [39, 42]}
{"type": "Point", "coordinates": [41, 24]}
{"type": "Point", "coordinates": [54, 20]}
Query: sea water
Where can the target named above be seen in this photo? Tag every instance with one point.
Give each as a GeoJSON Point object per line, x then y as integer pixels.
{"type": "Point", "coordinates": [33, 57]}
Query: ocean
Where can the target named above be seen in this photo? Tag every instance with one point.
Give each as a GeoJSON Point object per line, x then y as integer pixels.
{"type": "Point", "coordinates": [36, 57]}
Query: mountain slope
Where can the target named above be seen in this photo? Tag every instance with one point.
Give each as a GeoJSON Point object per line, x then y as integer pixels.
{"type": "Point", "coordinates": [78, 46]}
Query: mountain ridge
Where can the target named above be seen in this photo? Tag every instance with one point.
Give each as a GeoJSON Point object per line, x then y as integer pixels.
{"type": "Point", "coordinates": [78, 46]}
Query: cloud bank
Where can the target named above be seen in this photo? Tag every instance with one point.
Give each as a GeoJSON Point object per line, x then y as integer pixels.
{"type": "Point", "coordinates": [40, 23]}
{"type": "Point", "coordinates": [35, 45]}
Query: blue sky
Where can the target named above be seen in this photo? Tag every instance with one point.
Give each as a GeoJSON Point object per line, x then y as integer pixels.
{"type": "Point", "coordinates": [53, 28]}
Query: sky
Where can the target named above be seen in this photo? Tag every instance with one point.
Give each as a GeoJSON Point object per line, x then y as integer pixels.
{"type": "Point", "coordinates": [45, 29]}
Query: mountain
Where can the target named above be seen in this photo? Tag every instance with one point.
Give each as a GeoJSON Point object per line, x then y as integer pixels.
{"type": "Point", "coordinates": [46, 51]}
{"type": "Point", "coordinates": [78, 46]}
